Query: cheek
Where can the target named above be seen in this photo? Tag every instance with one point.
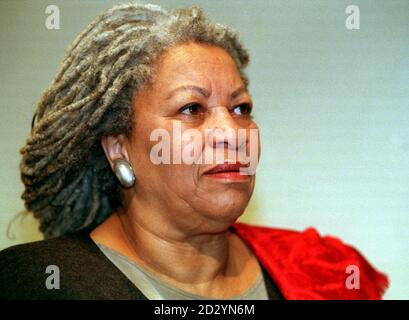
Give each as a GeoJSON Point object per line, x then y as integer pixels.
{"type": "Point", "coordinates": [141, 146]}
{"type": "Point", "coordinates": [156, 144]}
{"type": "Point", "coordinates": [140, 150]}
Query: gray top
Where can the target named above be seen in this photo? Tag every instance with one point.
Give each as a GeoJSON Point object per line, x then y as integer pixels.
{"type": "Point", "coordinates": [156, 289]}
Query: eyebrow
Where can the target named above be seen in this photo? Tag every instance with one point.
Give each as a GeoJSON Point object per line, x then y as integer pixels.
{"type": "Point", "coordinates": [204, 92]}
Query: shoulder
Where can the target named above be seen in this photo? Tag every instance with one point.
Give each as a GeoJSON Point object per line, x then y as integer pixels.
{"type": "Point", "coordinates": [24, 268]}
{"type": "Point", "coordinates": [306, 265]}
{"type": "Point", "coordinates": [57, 249]}
{"type": "Point", "coordinates": [83, 272]}
{"type": "Point", "coordinates": [64, 250]}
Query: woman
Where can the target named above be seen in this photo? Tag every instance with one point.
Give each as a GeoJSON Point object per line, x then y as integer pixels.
{"type": "Point", "coordinates": [121, 222]}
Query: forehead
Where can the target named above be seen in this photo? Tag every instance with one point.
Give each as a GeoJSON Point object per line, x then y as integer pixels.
{"type": "Point", "coordinates": [197, 62]}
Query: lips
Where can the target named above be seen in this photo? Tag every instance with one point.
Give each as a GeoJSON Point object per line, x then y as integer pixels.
{"type": "Point", "coordinates": [229, 171]}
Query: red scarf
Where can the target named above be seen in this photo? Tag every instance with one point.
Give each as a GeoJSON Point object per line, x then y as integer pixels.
{"type": "Point", "coordinates": [306, 266]}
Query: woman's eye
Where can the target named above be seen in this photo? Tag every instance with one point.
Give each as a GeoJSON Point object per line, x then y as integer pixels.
{"type": "Point", "coordinates": [242, 109]}
{"type": "Point", "coordinates": [192, 109]}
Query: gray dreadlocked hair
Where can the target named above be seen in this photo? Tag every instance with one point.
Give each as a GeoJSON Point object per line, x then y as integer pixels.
{"type": "Point", "coordinates": [68, 182]}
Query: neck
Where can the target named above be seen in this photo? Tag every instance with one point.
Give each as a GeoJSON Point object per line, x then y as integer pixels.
{"type": "Point", "coordinates": [200, 262]}
{"type": "Point", "coordinates": [179, 258]}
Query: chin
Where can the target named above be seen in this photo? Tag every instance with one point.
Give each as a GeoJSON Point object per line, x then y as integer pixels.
{"type": "Point", "coordinates": [225, 210]}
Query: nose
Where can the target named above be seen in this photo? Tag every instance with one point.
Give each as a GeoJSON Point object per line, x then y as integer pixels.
{"type": "Point", "coordinates": [223, 130]}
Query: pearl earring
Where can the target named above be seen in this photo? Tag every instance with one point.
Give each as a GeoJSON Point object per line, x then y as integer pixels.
{"type": "Point", "coordinates": [124, 172]}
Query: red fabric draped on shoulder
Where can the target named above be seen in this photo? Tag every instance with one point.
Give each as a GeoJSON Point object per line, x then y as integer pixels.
{"type": "Point", "coordinates": [305, 265]}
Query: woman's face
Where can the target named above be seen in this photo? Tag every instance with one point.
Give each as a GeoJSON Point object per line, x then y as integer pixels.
{"type": "Point", "coordinates": [196, 86]}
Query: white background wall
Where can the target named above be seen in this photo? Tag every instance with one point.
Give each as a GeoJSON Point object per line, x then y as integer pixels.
{"type": "Point", "coordinates": [332, 106]}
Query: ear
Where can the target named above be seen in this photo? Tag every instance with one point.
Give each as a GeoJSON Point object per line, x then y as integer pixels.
{"type": "Point", "coordinates": [114, 148]}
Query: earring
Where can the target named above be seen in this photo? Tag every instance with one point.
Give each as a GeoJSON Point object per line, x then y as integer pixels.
{"type": "Point", "coordinates": [124, 172]}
